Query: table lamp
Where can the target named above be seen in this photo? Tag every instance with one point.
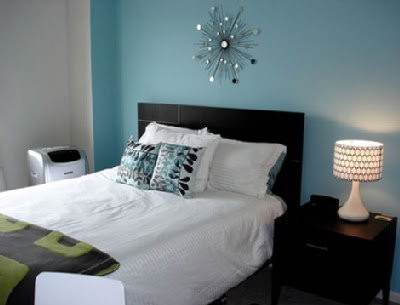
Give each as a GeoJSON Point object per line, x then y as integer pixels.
{"type": "Point", "coordinates": [357, 161]}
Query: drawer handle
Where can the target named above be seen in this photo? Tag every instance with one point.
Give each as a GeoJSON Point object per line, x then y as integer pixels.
{"type": "Point", "coordinates": [322, 248]}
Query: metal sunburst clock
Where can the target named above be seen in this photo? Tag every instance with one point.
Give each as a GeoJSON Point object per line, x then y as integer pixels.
{"type": "Point", "coordinates": [224, 45]}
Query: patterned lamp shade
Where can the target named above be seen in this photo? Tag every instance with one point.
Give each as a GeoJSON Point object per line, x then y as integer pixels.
{"type": "Point", "coordinates": [358, 160]}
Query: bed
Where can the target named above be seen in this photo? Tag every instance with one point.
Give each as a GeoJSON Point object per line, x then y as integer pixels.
{"type": "Point", "coordinates": [174, 250]}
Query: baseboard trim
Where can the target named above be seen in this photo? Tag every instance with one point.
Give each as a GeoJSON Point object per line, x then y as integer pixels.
{"type": "Point", "coordinates": [393, 297]}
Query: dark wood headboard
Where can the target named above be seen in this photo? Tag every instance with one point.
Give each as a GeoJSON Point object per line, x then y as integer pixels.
{"type": "Point", "coordinates": [246, 125]}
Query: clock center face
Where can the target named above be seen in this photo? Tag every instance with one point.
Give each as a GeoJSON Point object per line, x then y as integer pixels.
{"type": "Point", "coordinates": [224, 44]}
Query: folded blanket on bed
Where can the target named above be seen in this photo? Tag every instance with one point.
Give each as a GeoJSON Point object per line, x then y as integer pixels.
{"type": "Point", "coordinates": [26, 250]}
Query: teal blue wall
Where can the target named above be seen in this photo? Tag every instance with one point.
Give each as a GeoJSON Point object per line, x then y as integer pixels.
{"type": "Point", "coordinates": [105, 83]}
{"type": "Point", "coordinates": [337, 61]}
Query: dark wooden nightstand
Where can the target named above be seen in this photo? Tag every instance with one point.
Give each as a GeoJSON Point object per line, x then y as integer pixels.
{"type": "Point", "coordinates": [317, 252]}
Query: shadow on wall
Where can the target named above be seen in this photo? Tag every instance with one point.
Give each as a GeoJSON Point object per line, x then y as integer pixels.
{"type": "Point", "coordinates": [2, 180]}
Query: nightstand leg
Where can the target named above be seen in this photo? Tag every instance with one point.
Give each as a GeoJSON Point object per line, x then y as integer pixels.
{"type": "Point", "coordinates": [275, 293]}
{"type": "Point", "coordinates": [275, 287]}
{"type": "Point", "coordinates": [385, 295]}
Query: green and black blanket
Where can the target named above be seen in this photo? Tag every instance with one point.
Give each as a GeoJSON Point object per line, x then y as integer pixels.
{"type": "Point", "coordinates": [26, 250]}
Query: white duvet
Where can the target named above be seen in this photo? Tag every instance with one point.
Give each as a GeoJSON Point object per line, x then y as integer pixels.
{"type": "Point", "coordinates": [172, 251]}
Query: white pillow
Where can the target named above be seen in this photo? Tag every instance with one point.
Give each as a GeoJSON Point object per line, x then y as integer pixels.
{"type": "Point", "coordinates": [210, 142]}
{"type": "Point", "coordinates": [243, 167]}
{"type": "Point", "coordinates": [154, 126]}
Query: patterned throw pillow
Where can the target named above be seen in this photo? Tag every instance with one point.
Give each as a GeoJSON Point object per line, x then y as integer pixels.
{"type": "Point", "coordinates": [176, 168]}
{"type": "Point", "coordinates": [137, 164]}
{"type": "Point", "coordinates": [273, 173]}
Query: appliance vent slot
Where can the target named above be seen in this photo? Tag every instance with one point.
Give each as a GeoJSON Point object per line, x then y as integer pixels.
{"type": "Point", "coordinates": [66, 155]}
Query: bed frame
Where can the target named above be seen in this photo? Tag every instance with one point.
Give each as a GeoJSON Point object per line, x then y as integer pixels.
{"type": "Point", "coordinates": [246, 125]}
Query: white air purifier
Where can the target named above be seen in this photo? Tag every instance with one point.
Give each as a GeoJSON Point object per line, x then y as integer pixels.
{"type": "Point", "coordinates": [56, 163]}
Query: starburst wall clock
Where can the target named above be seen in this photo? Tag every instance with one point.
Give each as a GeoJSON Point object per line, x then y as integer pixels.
{"type": "Point", "coordinates": [224, 45]}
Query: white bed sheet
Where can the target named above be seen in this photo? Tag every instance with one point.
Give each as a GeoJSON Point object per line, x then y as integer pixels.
{"type": "Point", "coordinates": [173, 251]}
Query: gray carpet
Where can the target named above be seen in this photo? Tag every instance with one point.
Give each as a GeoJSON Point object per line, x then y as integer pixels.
{"type": "Point", "coordinates": [256, 290]}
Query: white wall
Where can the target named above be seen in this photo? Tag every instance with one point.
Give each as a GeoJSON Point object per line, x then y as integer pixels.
{"type": "Point", "coordinates": [35, 109]}
{"type": "Point", "coordinates": [79, 71]}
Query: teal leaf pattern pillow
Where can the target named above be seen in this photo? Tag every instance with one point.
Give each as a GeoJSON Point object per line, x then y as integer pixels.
{"type": "Point", "coordinates": [137, 164]}
{"type": "Point", "coordinates": [176, 169]}
{"type": "Point", "coordinates": [273, 173]}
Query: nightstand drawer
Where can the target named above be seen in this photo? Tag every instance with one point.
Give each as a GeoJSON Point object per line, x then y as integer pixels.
{"type": "Point", "coordinates": [321, 248]}
{"type": "Point", "coordinates": [316, 242]}
{"type": "Point", "coordinates": [316, 261]}
{"type": "Point", "coordinates": [335, 252]}
{"type": "Point", "coordinates": [320, 244]}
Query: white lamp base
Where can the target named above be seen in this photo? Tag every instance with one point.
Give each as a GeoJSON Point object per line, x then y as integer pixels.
{"type": "Point", "coordinates": [353, 209]}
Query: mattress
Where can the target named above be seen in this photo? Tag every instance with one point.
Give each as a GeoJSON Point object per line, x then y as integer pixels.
{"type": "Point", "coordinates": [173, 251]}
